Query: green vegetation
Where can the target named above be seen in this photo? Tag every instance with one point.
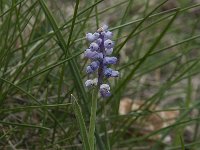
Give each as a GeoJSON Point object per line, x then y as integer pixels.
{"type": "Point", "coordinates": [44, 103]}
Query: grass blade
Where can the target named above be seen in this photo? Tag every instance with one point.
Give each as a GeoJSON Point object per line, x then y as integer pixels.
{"type": "Point", "coordinates": [81, 123]}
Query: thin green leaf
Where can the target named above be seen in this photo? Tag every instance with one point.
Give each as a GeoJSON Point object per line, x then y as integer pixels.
{"type": "Point", "coordinates": [23, 125]}
{"type": "Point", "coordinates": [81, 123]}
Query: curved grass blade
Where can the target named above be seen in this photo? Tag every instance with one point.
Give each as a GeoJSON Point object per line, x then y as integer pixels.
{"type": "Point", "coordinates": [81, 123]}
{"type": "Point", "coordinates": [33, 107]}
{"type": "Point", "coordinates": [23, 125]}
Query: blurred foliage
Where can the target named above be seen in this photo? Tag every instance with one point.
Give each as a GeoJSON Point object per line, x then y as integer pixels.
{"type": "Point", "coordinates": [42, 66]}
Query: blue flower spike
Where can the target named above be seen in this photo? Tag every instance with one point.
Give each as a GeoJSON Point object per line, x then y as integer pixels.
{"type": "Point", "coordinates": [99, 51]}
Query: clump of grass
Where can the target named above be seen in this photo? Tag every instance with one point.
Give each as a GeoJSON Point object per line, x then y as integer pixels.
{"type": "Point", "coordinates": [43, 101]}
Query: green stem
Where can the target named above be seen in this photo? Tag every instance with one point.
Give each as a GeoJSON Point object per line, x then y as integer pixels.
{"type": "Point", "coordinates": [93, 119]}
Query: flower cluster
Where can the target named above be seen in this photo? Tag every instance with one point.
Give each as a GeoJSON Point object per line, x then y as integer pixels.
{"type": "Point", "coordinates": [99, 51]}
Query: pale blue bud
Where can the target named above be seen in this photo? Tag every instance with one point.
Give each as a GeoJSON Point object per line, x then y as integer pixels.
{"type": "Point", "coordinates": [96, 35]}
{"type": "Point", "coordinates": [111, 73]}
{"type": "Point", "coordinates": [90, 83]}
{"type": "Point", "coordinates": [93, 54]}
{"type": "Point", "coordinates": [94, 46]}
{"type": "Point", "coordinates": [107, 35]}
{"type": "Point", "coordinates": [105, 90]}
{"type": "Point", "coordinates": [108, 44]}
{"type": "Point", "coordinates": [109, 51]}
{"type": "Point", "coordinates": [110, 60]}
{"type": "Point", "coordinates": [98, 41]}
{"type": "Point", "coordinates": [94, 65]}
{"type": "Point", "coordinates": [89, 69]}
{"type": "Point", "coordinates": [89, 54]}
{"type": "Point", "coordinates": [90, 37]}
{"type": "Point", "coordinates": [99, 56]}
{"type": "Point", "coordinates": [108, 72]}
{"type": "Point", "coordinates": [115, 73]}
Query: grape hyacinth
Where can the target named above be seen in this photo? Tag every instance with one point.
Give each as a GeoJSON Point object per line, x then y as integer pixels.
{"type": "Point", "coordinates": [99, 51]}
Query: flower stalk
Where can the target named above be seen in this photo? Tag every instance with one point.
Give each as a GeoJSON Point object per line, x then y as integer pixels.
{"type": "Point", "coordinates": [99, 51]}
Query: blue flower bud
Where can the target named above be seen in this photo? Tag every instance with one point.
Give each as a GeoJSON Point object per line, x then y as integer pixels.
{"type": "Point", "coordinates": [110, 60]}
{"type": "Point", "coordinates": [94, 46]}
{"type": "Point", "coordinates": [111, 73]}
{"type": "Point", "coordinates": [90, 37]}
{"type": "Point", "coordinates": [89, 54]}
{"type": "Point", "coordinates": [96, 35]}
{"type": "Point", "coordinates": [99, 56]}
{"type": "Point", "coordinates": [109, 51]}
{"type": "Point", "coordinates": [115, 73]}
{"type": "Point", "coordinates": [107, 35]}
{"type": "Point", "coordinates": [105, 90]}
{"type": "Point", "coordinates": [98, 41]}
{"type": "Point", "coordinates": [93, 54]}
{"type": "Point", "coordinates": [108, 44]}
{"type": "Point", "coordinates": [108, 72]}
{"type": "Point", "coordinates": [90, 83]}
{"type": "Point", "coordinates": [94, 65]}
{"type": "Point", "coordinates": [89, 69]}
